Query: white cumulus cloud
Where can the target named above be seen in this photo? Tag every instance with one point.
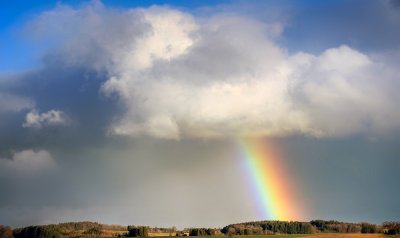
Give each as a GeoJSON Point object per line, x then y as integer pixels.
{"type": "Point", "coordinates": [34, 119]}
{"type": "Point", "coordinates": [180, 76]}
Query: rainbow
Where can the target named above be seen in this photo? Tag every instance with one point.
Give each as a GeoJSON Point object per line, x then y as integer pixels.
{"type": "Point", "coordinates": [269, 180]}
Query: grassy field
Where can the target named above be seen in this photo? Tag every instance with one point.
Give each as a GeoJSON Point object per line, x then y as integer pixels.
{"type": "Point", "coordinates": [330, 235]}
{"type": "Point", "coordinates": [341, 235]}
{"type": "Point", "coordinates": [320, 235]}
{"type": "Point", "coordinates": [161, 234]}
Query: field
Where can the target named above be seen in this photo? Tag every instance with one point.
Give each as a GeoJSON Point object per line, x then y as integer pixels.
{"type": "Point", "coordinates": [161, 234]}
{"type": "Point", "coordinates": [326, 235]}
{"type": "Point", "coordinates": [320, 235]}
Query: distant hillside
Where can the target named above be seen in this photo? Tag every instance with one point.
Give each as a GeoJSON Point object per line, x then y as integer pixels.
{"type": "Point", "coordinates": [70, 229]}
{"type": "Point", "coordinates": [88, 229]}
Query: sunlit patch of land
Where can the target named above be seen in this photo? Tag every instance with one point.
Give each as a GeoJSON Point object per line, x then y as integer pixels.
{"type": "Point", "coordinates": [319, 235]}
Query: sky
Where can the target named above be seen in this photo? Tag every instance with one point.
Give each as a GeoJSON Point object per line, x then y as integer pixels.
{"type": "Point", "coordinates": [134, 112]}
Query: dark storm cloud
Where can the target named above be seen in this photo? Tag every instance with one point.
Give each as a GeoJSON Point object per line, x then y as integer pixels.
{"type": "Point", "coordinates": [125, 184]}
{"type": "Point", "coordinates": [395, 3]}
{"type": "Point", "coordinates": [124, 82]}
{"type": "Point", "coordinates": [70, 89]}
{"type": "Point", "coordinates": [342, 174]}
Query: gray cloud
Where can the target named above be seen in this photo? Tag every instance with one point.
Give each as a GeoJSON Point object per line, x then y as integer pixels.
{"type": "Point", "coordinates": [13, 103]}
{"type": "Point", "coordinates": [27, 162]}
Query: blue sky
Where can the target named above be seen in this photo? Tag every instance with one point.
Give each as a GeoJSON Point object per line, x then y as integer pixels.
{"type": "Point", "coordinates": [106, 110]}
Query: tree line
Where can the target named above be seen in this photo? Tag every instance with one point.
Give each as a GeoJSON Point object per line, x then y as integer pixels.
{"type": "Point", "coordinates": [138, 231]}
{"type": "Point", "coordinates": [92, 229]}
{"type": "Point", "coordinates": [333, 226]}
{"type": "Point", "coordinates": [314, 226]}
{"type": "Point", "coordinates": [268, 228]}
{"type": "Point", "coordinates": [391, 227]}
